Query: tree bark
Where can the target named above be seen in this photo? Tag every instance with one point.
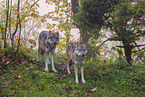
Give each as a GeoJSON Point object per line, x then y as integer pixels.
{"type": "Point", "coordinates": [19, 22]}
{"type": "Point", "coordinates": [127, 50]}
{"type": "Point", "coordinates": [13, 35]}
{"type": "Point", "coordinates": [84, 36]}
{"type": "Point", "coordinates": [18, 47]}
{"type": "Point", "coordinates": [75, 6]}
{"type": "Point", "coordinates": [10, 28]}
{"type": "Point", "coordinates": [5, 32]}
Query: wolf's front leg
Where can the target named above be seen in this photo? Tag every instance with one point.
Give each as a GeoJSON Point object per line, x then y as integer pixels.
{"type": "Point", "coordinates": [68, 61]}
{"type": "Point", "coordinates": [76, 73]}
{"type": "Point", "coordinates": [82, 73]}
{"type": "Point", "coordinates": [52, 59]}
{"type": "Point", "coordinates": [46, 61]}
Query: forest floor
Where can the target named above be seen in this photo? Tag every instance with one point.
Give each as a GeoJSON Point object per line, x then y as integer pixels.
{"type": "Point", "coordinates": [26, 77]}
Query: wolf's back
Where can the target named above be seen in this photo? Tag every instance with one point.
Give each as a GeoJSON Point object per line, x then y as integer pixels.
{"type": "Point", "coordinates": [42, 37]}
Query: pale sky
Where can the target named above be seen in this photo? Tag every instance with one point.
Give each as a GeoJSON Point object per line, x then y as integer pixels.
{"type": "Point", "coordinates": [44, 9]}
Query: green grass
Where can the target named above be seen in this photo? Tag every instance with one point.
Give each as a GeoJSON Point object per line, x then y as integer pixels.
{"type": "Point", "coordinates": [27, 78]}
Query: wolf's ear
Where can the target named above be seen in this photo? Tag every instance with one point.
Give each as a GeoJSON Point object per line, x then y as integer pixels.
{"type": "Point", "coordinates": [50, 32]}
{"type": "Point", "coordinates": [57, 33]}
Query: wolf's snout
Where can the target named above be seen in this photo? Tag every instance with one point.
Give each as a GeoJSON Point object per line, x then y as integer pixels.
{"type": "Point", "coordinates": [83, 54]}
{"type": "Point", "coordinates": [55, 43]}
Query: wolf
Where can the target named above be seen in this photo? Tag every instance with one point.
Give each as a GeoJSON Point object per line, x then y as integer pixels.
{"type": "Point", "coordinates": [47, 43]}
{"type": "Point", "coordinates": [76, 53]}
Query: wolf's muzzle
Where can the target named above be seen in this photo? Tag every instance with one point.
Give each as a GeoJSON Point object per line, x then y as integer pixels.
{"type": "Point", "coordinates": [55, 43]}
{"type": "Point", "coordinates": [83, 55]}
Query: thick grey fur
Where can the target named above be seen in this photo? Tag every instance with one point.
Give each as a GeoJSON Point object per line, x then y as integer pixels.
{"type": "Point", "coordinates": [47, 43]}
{"type": "Point", "coordinates": [76, 54]}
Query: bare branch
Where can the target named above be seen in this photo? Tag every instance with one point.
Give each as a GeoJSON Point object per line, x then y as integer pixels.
{"type": "Point", "coordinates": [18, 8]}
{"type": "Point", "coordinates": [110, 39]}
{"type": "Point", "coordinates": [34, 3]}
{"type": "Point", "coordinates": [143, 49]}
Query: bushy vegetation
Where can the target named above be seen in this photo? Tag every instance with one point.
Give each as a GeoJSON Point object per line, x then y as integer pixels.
{"type": "Point", "coordinates": [105, 77]}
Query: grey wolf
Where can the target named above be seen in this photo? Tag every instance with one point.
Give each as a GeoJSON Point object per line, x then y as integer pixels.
{"type": "Point", "coordinates": [47, 43]}
{"type": "Point", "coordinates": [76, 53]}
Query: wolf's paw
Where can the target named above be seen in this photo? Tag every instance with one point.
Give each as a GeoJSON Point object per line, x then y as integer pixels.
{"type": "Point", "coordinates": [54, 70]}
{"type": "Point", "coordinates": [77, 82]}
{"type": "Point", "coordinates": [69, 72]}
{"type": "Point", "coordinates": [83, 81]}
{"type": "Point", "coordinates": [46, 69]}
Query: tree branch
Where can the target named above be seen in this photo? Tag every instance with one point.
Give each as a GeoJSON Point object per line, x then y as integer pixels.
{"type": "Point", "coordinates": [18, 8]}
{"type": "Point", "coordinates": [132, 46]}
{"type": "Point", "coordinates": [110, 39]}
{"type": "Point", "coordinates": [22, 17]}
{"type": "Point", "coordinates": [34, 3]}
{"type": "Point", "coordinates": [139, 50]}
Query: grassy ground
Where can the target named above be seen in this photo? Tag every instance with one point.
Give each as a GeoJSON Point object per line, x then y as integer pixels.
{"type": "Point", "coordinates": [27, 78]}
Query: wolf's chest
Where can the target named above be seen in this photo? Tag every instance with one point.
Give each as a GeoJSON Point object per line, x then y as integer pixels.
{"type": "Point", "coordinates": [78, 59]}
{"type": "Point", "coordinates": [49, 47]}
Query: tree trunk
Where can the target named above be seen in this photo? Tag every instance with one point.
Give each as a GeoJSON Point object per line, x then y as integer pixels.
{"type": "Point", "coordinates": [127, 50]}
{"type": "Point", "coordinates": [18, 17]}
{"type": "Point", "coordinates": [75, 6]}
{"type": "Point", "coordinates": [10, 27]}
{"type": "Point", "coordinates": [18, 47]}
{"type": "Point", "coordinates": [84, 36]}
{"type": "Point", "coordinates": [13, 35]}
{"type": "Point", "coordinates": [5, 32]}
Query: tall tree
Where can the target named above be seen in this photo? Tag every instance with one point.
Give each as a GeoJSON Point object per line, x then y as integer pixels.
{"type": "Point", "coordinates": [17, 22]}
{"type": "Point", "coordinates": [90, 18]}
{"type": "Point", "coordinates": [6, 26]}
{"type": "Point", "coordinates": [92, 15]}
{"type": "Point", "coordinates": [127, 24]}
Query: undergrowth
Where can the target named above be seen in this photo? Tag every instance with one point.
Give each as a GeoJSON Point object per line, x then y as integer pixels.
{"type": "Point", "coordinates": [26, 77]}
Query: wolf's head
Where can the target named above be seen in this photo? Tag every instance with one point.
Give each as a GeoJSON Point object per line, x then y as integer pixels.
{"type": "Point", "coordinates": [53, 38]}
{"type": "Point", "coordinates": [81, 49]}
